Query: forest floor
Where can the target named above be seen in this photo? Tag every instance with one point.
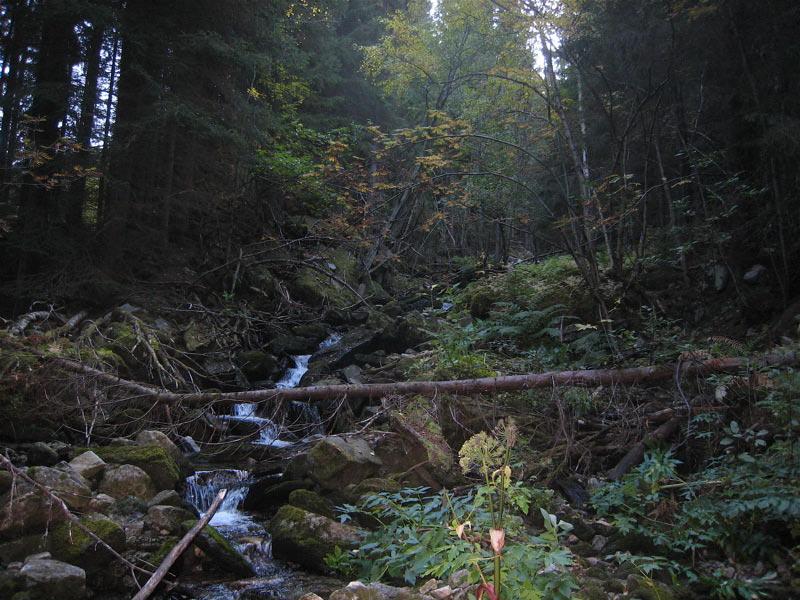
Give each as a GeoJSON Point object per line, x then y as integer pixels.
{"type": "Point", "coordinates": [678, 488]}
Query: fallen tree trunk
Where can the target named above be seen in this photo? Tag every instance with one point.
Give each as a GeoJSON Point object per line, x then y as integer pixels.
{"type": "Point", "coordinates": [483, 385]}
{"type": "Point", "coordinates": [179, 549]}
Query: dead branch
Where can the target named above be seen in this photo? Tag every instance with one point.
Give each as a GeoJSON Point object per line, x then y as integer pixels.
{"type": "Point", "coordinates": [71, 324]}
{"type": "Point", "coordinates": [636, 454]}
{"type": "Point", "coordinates": [179, 549]}
{"type": "Point", "coordinates": [484, 385]}
{"type": "Point", "coordinates": [19, 327]}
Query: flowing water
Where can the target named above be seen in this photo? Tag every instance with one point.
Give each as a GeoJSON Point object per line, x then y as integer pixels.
{"type": "Point", "coordinates": [242, 529]}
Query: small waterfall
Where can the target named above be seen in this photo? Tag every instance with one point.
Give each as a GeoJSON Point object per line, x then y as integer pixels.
{"type": "Point", "coordinates": [295, 374]}
{"type": "Point", "coordinates": [202, 488]}
{"type": "Point", "coordinates": [239, 527]}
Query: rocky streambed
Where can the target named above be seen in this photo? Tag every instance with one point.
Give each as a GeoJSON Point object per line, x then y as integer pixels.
{"type": "Point", "coordinates": [285, 471]}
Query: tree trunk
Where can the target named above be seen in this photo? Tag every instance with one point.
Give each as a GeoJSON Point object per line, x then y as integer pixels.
{"type": "Point", "coordinates": [77, 192]}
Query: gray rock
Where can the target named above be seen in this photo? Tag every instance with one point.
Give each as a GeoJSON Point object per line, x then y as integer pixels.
{"type": "Point", "coordinates": [49, 579]}
{"type": "Point", "coordinates": [167, 498]}
{"type": "Point", "coordinates": [167, 518]}
{"type": "Point", "coordinates": [37, 556]}
{"type": "Point", "coordinates": [101, 503]}
{"type": "Point", "coordinates": [88, 465]}
{"type": "Point", "coordinates": [127, 480]}
{"type": "Point", "coordinates": [73, 489]}
{"type": "Point", "coordinates": [719, 276]}
{"type": "Point", "coordinates": [121, 441]}
{"type": "Point", "coordinates": [356, 590]}
{"type": "Point", "coordinates": [754, 274]}
{"type": "Point", "coordinates": [189, 445]}
{"type": "Point", "coordinates": [352, 374]}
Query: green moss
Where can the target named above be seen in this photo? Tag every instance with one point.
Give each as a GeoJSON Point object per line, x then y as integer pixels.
{"type": "Point", "coordinates": [122, 335]}
{"type": "Point", "coordinates": [311, 501]}
{"type": "Point", "coordinates": [71, 544]}
{"type": "Point", "coordinates": [157, 557]}
{"type": "Point", "coordinates": [153, 460]}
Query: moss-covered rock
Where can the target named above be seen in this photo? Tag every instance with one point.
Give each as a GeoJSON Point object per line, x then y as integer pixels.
{"type": "Point", "coordinates": [18, 549]}
{"type": "Point", "coordinates": [258, 365]}
{"type": "Point", "coordinates": [153, 460]}
{"type": "Point", "coordinates": [265, 494]}
{"type": "Point", "coordinates": [336, 462]}
{"type": "Point", "coordinates": [648, 589]}
{"type": "Point", "coordinates": [26, 511]}
{"type": "Point", "coordinates": [312, 502]}
{"type": "Point", "coordinates": [373, 485]}
{"type": "Point", "coordinates": [306, 538]}
{"type": "Point", "coordinates": [71, 544]}
{"type": "Point", "coordinates": [222, 557]}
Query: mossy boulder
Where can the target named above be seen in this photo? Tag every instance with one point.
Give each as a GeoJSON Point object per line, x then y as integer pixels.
{"type": "Point", "coordinates": [258, 365]}
{"type": "Point", "coordinates": [306, 538]}
{"type": "Point", "coordinates": [71, 544]}
{"type": "Point", "coordinates": [336, 462]}
{"type": "Point", "coordinates": [265, 494]}
{"type": "Point", "coordinates": [316, 331]}
{"type": "Point", "coordinates": [373, 485]}
{"type": "Point", "coordinates": [26, 511]}
{"type": "Point", "coordinates": [153, 460]}
{"type": "Point", "coordinates": [480, 303]}
{"type": "Point", "coordinates": [159, 438]}
{"type": "Point", "coordinates": [121, 481]}
{"type": "Point", "coordinates": [292, 344]}
{"type": "Point", "coordinates": [312, 502]}
{"type": "Point", "coordinates": [196, 336]}
{"type": "Point", "coordinates": [18, 549]}
{"type": "Point", "coordinates": [221, 555]}
{"type": "Point", "coordinates": [163, 518]}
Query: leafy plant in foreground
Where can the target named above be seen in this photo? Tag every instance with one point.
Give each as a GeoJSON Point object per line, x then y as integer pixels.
{"type": "Point", "coordinates": [434, 535]}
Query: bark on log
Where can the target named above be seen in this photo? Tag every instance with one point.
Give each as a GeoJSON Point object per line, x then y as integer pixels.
{"type": "Point", "coordinates": [179, 549]}
{"type": "Point", "coordinates": [484, 385]}
{"type": "Point", "coordinates": [19, 327]}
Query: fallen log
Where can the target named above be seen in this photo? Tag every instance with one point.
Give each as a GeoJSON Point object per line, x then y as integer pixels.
{"type": "Point", "coordinates": [483, 385]}
{"type": "Point", "coordinates": [179, 549]}
{"type": "Point", "coordinates": [19, 327]}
